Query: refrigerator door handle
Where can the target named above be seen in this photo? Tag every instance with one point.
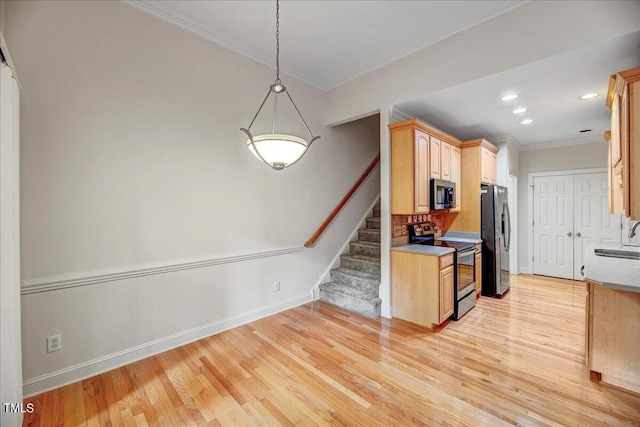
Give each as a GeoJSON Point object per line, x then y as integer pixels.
{"type": "Point", "coordinates": [507, 232]}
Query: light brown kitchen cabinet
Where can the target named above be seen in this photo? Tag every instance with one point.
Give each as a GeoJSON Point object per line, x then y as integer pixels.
{"type": "Point", "coordinates": [422, 287]}
{"type": "Point", "coordinates": [478, 269]}
{"type": "Point", "coordinates": [445, 161]}
{"type": "Point", "coordinates": [623, 97]}
{"type": "Point", "coordinates": [456, 176]}
{"type": "Point", "coordinates": [440, 155]}
{"type": "Point", "coordinates": [612, 331]}
{"type": "Point", "coordinates": [409, 170]}
{"type": "Point", "coordinates": [446, 293]}
{"type": "Point", "coordinates": [489, 165]}
{"type": "Point", "coordinates": [417, 157]}
{"type": "Point", "coordinates": [477, 162]}
{"type": "Point", "coordinates": [616, 203]}
{"type": "Point", "coordinates": [435, 153]}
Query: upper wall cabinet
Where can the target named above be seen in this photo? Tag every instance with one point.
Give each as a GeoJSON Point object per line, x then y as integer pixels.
{"type": "Point", "coordinates": [435, 147]}
{"type": "Point", "coordinates": [445, 161]}
{"type": "Point", "coordinates": [409, 169]}
{"type": "Point", "coordinates": [440, 159]}
{"type": "Point", "coordinates": [623, 98]}
{"type": "Point", "coordinates": [420, 153]}
{"type": "Point", "coordinates": [478, 161]}
{"type": "Point", "coordinates": [456, 173]}
{"type": "Point", "coordinates": [489, 166]}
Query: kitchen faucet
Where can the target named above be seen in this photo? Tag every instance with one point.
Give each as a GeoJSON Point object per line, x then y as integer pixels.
{"type": "Point", "coordinates": [632, 230]}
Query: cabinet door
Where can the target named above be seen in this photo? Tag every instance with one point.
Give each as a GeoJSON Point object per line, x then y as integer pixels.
{"type": "Point", "coordinates": [434, 152]}
{"type": "Point", "coordinates": [478, 272]}
{"type": "Point", "coordinates": [421, 172]}
{"type": "Point", "coordinates": [489, 165]}
{"type": "Point", "coordinates": [616, 152]}
{"type": "Point", "coordinates": [445, 161]}
{"type": "Point", "coordinates": [446, 293]}
{"type": "Point", "coordinates": [455, 173]}
{"type": "Point", "coordinates": [614, 174]}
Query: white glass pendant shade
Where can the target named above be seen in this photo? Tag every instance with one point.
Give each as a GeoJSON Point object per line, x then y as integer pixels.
{"type": "Point", "coordinates": [278, 151]}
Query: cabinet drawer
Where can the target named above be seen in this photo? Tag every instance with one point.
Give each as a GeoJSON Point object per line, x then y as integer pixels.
{"type": "Point", "coordinates": [446, 261]}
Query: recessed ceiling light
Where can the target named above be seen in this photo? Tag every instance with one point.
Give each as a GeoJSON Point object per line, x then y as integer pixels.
{"type": "Point", "coordinates": [510, 96]}
{"type": "Point", "coordinates": [589, 95]}
{"type": "Point", "coordinates": [526, 122]}
{"type": "Point", "coordinates": [519, 110]}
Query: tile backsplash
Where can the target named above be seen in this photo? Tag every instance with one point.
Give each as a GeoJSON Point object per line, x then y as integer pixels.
{"type": "Point", "coordinates": [399, 223]}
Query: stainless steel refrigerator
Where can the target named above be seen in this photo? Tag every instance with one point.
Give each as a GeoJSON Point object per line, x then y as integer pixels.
{"type": "Point", "coordinates": [495, 230]}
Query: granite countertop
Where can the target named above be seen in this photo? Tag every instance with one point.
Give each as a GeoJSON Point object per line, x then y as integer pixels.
{"type": "Point", "coordinates": [424, 249]}
{"type": "Point", "coordinates": [610, 272]}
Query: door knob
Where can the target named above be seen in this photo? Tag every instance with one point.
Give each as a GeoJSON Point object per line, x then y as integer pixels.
{"type": "Point", "coordinates": [568, 233]}
{"type": "Point", "coordinates": [578, 234]}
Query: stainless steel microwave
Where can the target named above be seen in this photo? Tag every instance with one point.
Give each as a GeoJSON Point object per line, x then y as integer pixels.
{"type": "Point", "coordinates": [443, 194]}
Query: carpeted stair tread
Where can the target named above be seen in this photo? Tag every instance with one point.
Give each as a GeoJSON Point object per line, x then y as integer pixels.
{"type": "Point", "coordinates": [369, 235]}
{"type": "Point", "coordinates": [356, 300]}
{"type": "Point", "coordinates": [355, 284]}
{"type": "Point", "coordinates": [351, 292]}
{"type": "Point", "coordinates": [361, 262]}
{"type": "Point", "coordinates": [362, 275]}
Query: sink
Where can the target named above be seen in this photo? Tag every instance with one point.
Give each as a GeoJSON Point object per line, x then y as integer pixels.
{"type": "Point", "coordinates": [615, 253]}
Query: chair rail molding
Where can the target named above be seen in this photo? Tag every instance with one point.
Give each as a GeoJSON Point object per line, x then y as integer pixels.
{"type": "Point", "coordinates": [53, 283]}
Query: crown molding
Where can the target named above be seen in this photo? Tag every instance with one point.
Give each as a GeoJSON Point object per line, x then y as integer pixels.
{"type": "Point", "coordinates": [597, 137]}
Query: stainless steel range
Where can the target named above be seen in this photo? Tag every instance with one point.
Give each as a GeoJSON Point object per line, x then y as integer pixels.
{"type": "Point", "coordinates": [464, 266]}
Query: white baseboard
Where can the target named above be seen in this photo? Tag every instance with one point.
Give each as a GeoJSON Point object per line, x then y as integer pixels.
{"type": "Point", "coordinates": [81, 371]}
{"type": "Point", "coordinates": [524, 270]}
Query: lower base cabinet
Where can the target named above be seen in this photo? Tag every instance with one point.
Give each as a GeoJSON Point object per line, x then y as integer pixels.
{"type": "Point", "coordinates": [612, 331]}
{"type": "Point", "coordinates": [422, 287]}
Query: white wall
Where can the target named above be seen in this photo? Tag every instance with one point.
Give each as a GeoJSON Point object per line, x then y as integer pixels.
{"type": "Point", "coordinates": [583, 156]}
{"type": "Point", "coordinates": [10, 348]}
{"type": "Point", "coordinates": [534, 31]}
{"type": "Point", "coordinates": [507, 159]}
{"type": "Point", "coordinates": [132, 159]}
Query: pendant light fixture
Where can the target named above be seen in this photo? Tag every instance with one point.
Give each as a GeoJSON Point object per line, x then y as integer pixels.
{"type": "Point", "coordinates": [278, 150]}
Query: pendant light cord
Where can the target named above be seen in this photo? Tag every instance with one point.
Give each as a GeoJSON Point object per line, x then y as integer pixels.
{"type": "Point", "coordinates": [277, 42]}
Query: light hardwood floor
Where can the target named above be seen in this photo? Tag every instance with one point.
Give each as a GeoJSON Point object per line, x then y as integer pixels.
{"type": "Point", "coordinates": [514, 361]}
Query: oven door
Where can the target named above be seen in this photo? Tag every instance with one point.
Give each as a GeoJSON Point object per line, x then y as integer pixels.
{"type": "Point", "coordinates": [465, 272]}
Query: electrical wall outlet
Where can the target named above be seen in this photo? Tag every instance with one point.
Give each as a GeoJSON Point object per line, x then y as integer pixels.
{"type": "Point", "coordinates": [276, 287]}
{"type": "Point", "coordinates": [54, 343]}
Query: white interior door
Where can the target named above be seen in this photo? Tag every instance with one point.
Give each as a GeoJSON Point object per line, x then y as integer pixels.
{"type": "Point", "coordinates": [569, 211]}
{"type": "Point", "coordinates": [553, 226]}
{"type": "Point", "coordinates": [592, 219]}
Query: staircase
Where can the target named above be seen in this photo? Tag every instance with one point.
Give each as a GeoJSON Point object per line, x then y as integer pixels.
{"type": "Point", "coordinates": [355, 284]}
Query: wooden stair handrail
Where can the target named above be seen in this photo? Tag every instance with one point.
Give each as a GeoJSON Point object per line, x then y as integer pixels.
{"type": "Point", "coordinates": [342, 203]}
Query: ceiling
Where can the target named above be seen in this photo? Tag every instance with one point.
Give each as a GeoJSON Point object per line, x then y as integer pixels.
{"type": "Point", "coordinates": [327, 43]}
{"type": "Point", "coordinates": [549, 89]}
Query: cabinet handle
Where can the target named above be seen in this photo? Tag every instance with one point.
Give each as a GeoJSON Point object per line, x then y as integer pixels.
{"type": "Point", "coordinates": [578, 234]}
{"type": "Point", "coordinates": [568, 234]}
